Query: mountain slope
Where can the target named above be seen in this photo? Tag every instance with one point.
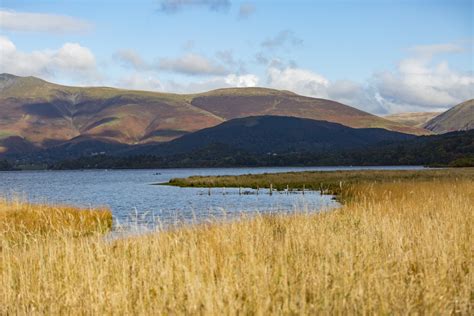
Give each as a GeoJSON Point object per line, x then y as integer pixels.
{"type": "Point", "coordinates": [458, 118]}
{"type": "Point", "coordinates": [43, 114]}
{"type": "Point", "coordinates": [243, 102]}
{"type": "Point", "coordinates": [414, 119]}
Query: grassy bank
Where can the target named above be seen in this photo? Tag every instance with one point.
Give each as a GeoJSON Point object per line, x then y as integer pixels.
{"type": "Point", "coordinates": [333, 182]}
{"type": "Point", "coordinates": [396, 247]}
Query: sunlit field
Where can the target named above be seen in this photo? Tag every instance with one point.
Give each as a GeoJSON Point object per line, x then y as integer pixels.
{"type": "Point", "coordinates": [394, 247]}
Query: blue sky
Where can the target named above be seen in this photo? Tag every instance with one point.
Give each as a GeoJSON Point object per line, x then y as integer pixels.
{"type": "Point", "coordinates": [381, 56]}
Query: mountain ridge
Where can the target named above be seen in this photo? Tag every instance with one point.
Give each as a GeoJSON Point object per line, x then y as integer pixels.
{"type": "Point", "coordinates": [44, 113]}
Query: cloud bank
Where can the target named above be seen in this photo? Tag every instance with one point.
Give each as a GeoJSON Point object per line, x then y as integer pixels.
{"type": "Point", "coordinates": [40, 22]}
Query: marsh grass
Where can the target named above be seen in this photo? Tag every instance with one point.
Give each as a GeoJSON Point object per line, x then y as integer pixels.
{"type": "Point", "coordinates": [401, 247]}
{"type": "Point", "coordinates": [20, 220]}
{"type": "Point", "coordinates": [334, 182]}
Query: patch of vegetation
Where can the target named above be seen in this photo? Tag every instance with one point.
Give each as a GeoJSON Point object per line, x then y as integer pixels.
{"type": "Point", "coordinates": [399, 247]}
{"type": "Point", "coordinates": [332, 182]}
{"type": "Point", "coordinates": [453, 149]}
{"type": "Point", "coordinates": [19, 220]}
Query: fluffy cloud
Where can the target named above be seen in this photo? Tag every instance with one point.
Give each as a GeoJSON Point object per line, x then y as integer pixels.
{"type": "Point", "coordinates": [419, 83]}
{"type": "Point", "coordinates": [189, 64]}
{"type": "Point", "coordinates": [246, 10]}
{"type": "Point", "coordinates": [173, 6]}
{"type": "Point", "coordinates": [229, 81]}
{"type": "Point", "coordinates": [192, 64]}
{"type": "Point", "coordinates": [138, 81]}
{"type": "Point", "coordinates": [41, 22]}
{"type": "Point", "coordinates": [298, 80]}
{"type": "Point", "coordinates": [248, 80]}
{"type": "Point", "coordinates": [71, 59]}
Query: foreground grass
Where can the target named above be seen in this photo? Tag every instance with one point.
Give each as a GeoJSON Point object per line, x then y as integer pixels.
{"type": "Point", "coordinates": [394, 247]}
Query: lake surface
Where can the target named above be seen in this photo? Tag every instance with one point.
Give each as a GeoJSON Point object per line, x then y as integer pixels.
{"type": "Point", "coordinates": [135, 201]}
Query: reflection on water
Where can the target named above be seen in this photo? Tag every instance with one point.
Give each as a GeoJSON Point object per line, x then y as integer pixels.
{"type": "Point", "coordinates": [135, 201]}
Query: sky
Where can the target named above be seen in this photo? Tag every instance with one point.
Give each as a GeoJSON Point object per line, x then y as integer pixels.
{"type": "Point", "coordinates": [381, 56]}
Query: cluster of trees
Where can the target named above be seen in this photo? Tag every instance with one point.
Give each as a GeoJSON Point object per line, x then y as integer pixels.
{"type": "Point", "coordinates": [5, 165]}
{"type": "Point", "coordinates": [454, 149]}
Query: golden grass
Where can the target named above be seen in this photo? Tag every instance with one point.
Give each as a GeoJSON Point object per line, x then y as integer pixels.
{"type": "Point", "coordinates": [19, 220]}
{"type": "Point", "coordinates": [394, 248]}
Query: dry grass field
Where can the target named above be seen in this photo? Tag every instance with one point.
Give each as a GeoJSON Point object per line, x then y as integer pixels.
{"type": "Point", "coordinates": [395, 247]}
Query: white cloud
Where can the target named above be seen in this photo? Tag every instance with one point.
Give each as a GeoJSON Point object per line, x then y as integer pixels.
{"type": "Point", "coordinates": [189, 64]}
{"type": "Point", "coordinates": [301, 81]}
{"type": "Point", "coordinates": [229, 81]}
{"type": "Point", "coordinates": [419, 83]}
{"type": "Point", "coordinates": [71, 59]}
{"type": "Point", "coordinates": [137, 81]}
{"type": "Point", "coordinates": [147, 81]}
{"type": "Point", "coordinates": [192, 64]}
{"type": "Point", "coordinates": [248, 80]}
{"type": "Point", "coordinates": [41, 22]}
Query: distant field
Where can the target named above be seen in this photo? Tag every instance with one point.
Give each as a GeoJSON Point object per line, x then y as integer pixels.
{"type": "Point", "coordinates": [402, 244]}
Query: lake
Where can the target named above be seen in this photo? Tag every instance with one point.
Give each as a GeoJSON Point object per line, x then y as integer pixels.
{"type": "Point", "coordinates": [134, 201]}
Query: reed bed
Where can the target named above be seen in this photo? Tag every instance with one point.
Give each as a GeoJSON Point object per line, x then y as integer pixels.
{"type": "Point", "coordinates": [393, 248]}
{"type": "Point", "coordinates": [330, 181]}
{"type": "Point", "coordinates": [20, 220]}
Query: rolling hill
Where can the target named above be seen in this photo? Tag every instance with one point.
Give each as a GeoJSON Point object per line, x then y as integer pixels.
{"type": "Point", "coordinates": [37, 113]}
{"type": "Point", "coordinates": [414, 119]}
{"type": "Point", "coordinates": [458, 118]}
{"type": "Point", "coordinates": [274, 134]}
{"type": "Point", "coordinates": [454, 149]}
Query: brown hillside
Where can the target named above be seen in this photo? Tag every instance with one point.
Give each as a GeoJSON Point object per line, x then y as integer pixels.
{"type": "Point", "coordinates": [415, 119]}
{"type": "Point", "coordinates": [44, 113]}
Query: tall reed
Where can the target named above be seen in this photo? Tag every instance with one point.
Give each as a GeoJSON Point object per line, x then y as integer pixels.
{"type": "Point", "coordinates": [394, 248]}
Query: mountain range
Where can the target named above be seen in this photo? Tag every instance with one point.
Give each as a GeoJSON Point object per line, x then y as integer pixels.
{"type": "Point", "coordinates": [42, 122]}
{"type": "Point", "coordinates": [38, 114]}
